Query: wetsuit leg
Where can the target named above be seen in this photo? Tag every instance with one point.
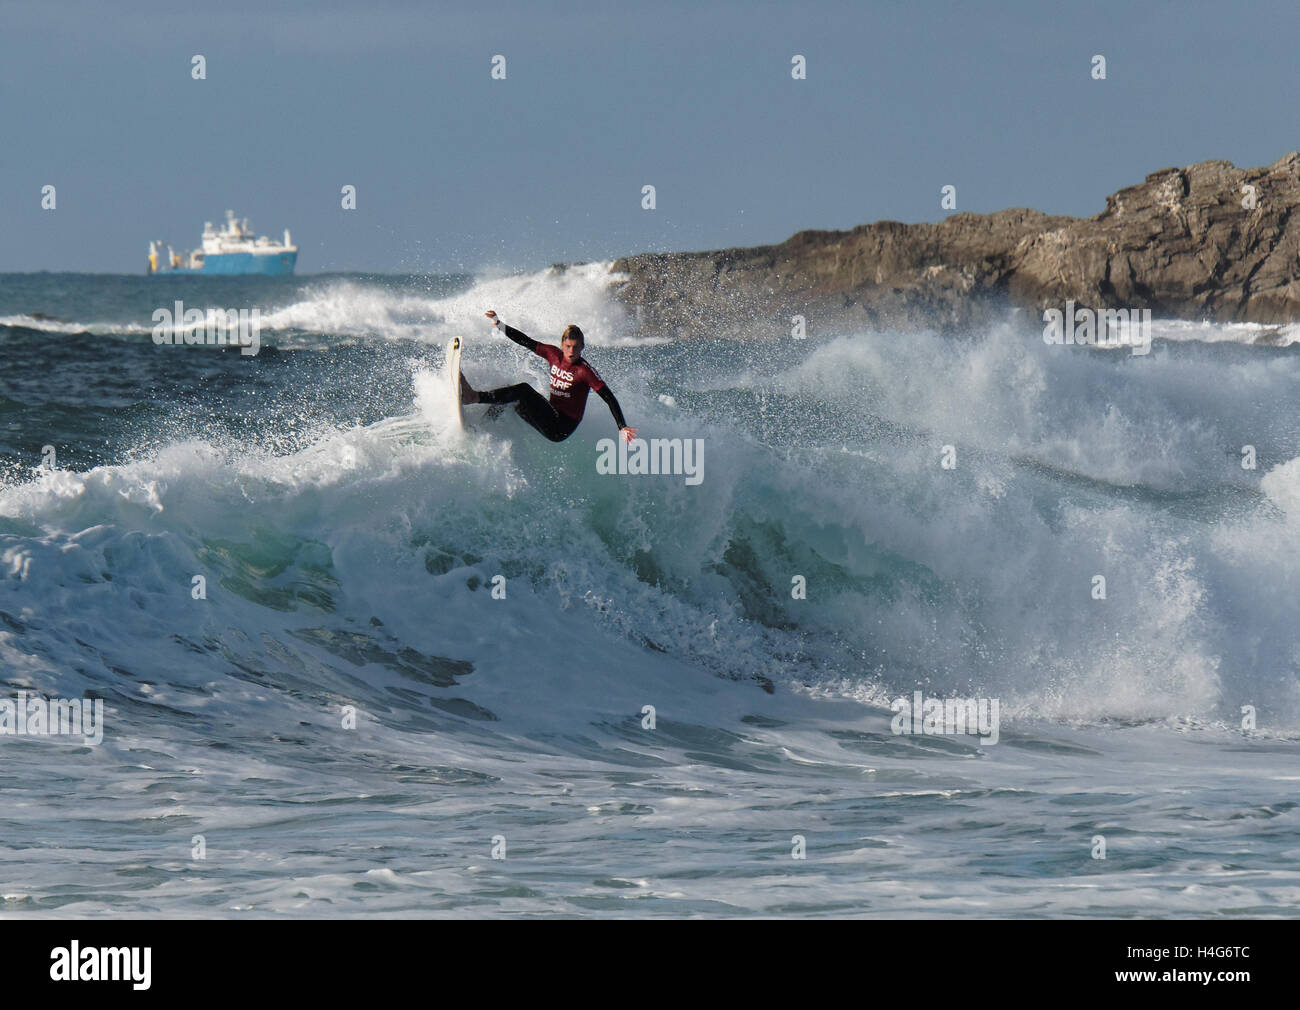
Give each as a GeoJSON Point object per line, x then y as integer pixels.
{"type": "Point", "coordinates": [533, 408]}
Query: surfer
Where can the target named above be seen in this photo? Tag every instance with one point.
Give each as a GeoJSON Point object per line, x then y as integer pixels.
{"type": "Point", "coordinates": [572, 378]}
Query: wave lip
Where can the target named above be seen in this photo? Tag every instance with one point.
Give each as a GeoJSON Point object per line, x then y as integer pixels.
{"type": "Point", "coordinates": [541, 304]}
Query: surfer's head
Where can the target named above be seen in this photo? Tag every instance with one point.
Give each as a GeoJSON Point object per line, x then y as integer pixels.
{"type": "Point", "coordinates": [571, 342]}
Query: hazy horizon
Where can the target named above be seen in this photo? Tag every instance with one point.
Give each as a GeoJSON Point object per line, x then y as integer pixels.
{"type": "Point", "coordinates": [457, 172]}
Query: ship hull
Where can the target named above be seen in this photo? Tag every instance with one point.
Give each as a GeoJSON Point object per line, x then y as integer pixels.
{"type": "Point", "coordinates": [270, 264]}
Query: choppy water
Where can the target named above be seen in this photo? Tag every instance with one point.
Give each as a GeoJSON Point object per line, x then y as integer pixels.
{"type": "Point", "coordinates": [350, 540]}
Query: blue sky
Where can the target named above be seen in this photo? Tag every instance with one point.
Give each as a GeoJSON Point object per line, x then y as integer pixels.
{"type": "Point", "coordinates": [457, 171]}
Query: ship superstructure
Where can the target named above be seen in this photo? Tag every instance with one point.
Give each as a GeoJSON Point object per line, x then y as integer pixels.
{"type": "Point", "coordinates": [232, 250]}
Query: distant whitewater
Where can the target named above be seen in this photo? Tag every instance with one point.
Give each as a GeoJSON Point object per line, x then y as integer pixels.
{"type": "Point", "coordinates": [343, 647]}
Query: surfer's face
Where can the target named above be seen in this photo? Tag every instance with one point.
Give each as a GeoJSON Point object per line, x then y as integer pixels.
{"type": "Point", "coordinates": [572, 350]}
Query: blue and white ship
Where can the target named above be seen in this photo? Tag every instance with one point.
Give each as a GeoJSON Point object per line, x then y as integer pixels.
{"type": "Point", "coordinates": [233, 250]}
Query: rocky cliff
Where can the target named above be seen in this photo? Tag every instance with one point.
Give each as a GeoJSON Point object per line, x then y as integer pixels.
{"type": "Point", "coordinates": [1191, 243]}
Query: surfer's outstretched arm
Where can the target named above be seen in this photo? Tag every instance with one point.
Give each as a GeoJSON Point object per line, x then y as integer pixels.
{"type": "Point", "coordinates": [606, 394]}
{"type": "Point", "coordinates": [518, 336]}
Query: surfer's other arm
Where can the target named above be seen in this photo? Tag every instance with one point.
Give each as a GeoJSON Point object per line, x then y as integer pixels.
{"type": "Point", "coordinates": [606, 394]}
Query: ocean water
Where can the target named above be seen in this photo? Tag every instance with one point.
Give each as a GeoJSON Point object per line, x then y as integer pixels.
{"type": "Point", "coordinates": [422, 649]}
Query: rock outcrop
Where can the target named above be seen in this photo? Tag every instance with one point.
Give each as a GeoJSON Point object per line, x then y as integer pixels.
{"type": "Point", "coordinates": [1187, 243]}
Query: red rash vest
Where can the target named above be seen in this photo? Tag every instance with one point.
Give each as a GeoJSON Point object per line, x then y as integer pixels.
{"type": "Point", "coordinates": [570, 384]}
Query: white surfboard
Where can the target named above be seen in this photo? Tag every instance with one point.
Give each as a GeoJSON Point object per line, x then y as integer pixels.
{"type": "Point", "coordinates": [453, 377]}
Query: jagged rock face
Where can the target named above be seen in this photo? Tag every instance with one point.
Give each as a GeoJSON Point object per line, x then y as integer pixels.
{"type": "Point", "coordinates": [1181, 244]}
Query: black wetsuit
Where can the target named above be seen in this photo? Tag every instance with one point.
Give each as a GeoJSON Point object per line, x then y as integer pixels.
{"type": "Point", "coordinates": [559, 417]}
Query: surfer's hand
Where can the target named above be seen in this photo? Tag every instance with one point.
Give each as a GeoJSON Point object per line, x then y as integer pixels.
{"type": "Point", "coordinates": [627, 433]}
{"type": "Point", "coordinates": [491, 314]}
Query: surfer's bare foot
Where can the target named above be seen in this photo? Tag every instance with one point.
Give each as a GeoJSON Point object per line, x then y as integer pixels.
{"type": "Point", "coordinates": [467, 392]}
